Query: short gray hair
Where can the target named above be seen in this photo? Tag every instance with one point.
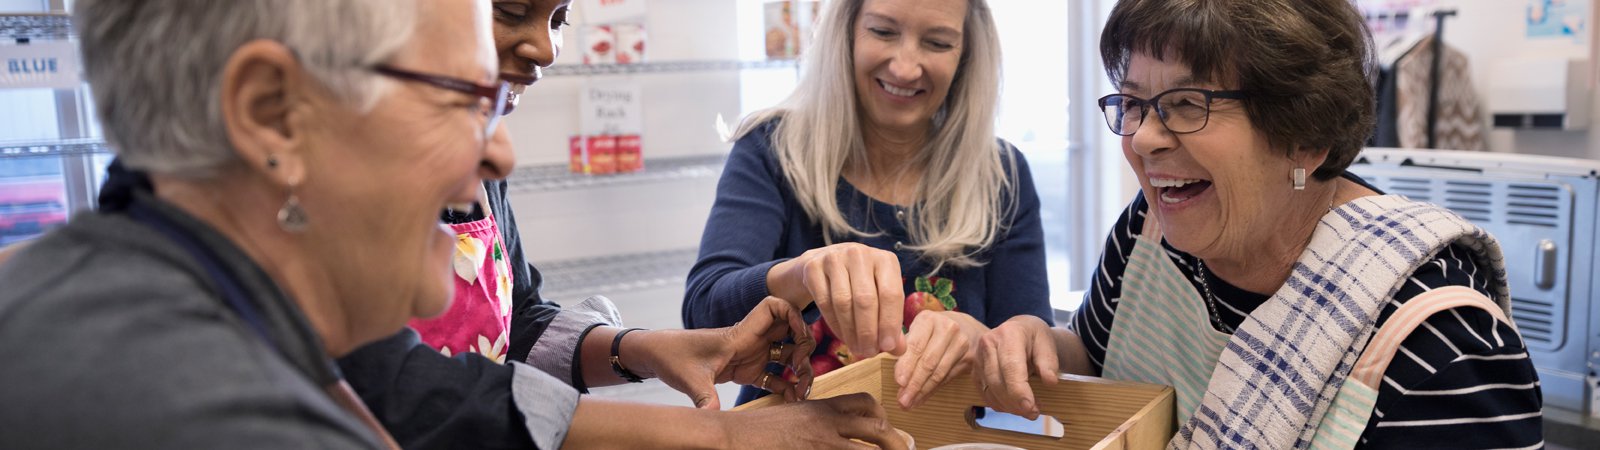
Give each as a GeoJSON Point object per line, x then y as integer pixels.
{"type": "Point", "coordinates": [155, 66]}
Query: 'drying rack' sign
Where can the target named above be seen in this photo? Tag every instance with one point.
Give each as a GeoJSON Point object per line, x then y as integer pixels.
{"type": "Point", "coordinates": [46, 65]}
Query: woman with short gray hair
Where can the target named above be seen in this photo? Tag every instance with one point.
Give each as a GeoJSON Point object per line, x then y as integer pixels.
{"type": "Point", "coordinates": [291, 215]}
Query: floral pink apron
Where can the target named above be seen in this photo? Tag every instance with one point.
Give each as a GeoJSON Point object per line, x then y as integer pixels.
{"type": "Point", "coordinates": [479, 317]}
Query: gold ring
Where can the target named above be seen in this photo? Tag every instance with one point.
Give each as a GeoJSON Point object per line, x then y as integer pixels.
{"type": "Point", "coordinates": [775, 352]}
{"type": "Point", "coordinates": [764, 377]}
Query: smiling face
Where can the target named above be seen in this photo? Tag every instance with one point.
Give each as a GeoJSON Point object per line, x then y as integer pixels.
{"type": "Point", "coordinates": [1214, 191]}
{"type": "Point", "coordinates": [906, 56]}
{"type": "Point", "coordinates": [527, 36]}
{"type": "Point", "coordinates": [376, 183]}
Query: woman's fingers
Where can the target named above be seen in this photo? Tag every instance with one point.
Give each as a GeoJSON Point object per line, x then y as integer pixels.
{"type": "Point", "coordinates": [955, 361]}
{"type": "Point", "coordinates": [891, 304]}
{"type": "Point", "coordinates": [1045, 360]}
{"type": "Point", "coordinates": [777, 385]}
{"type": "Point", "coordinates": [944, 355]}
{"type": "Point", "coordinates": [988, 373]}
{"type": "Point", "coordinates": [916, 346]}
{"type": "Point", "coordinates": [929, 341]}
{"type": "Point", "coordinates": [1009, 353]}
{"type": "Point", "coordinates": [1014, 366]}
{"type": "Point", "coordinates": [781, 320]}
{"type": "Point", "coordinates": [864, 303]}
{"type": "Point", "coordinates": [860, 417]}
{"type": "Point", "coordinates": [842, 305]}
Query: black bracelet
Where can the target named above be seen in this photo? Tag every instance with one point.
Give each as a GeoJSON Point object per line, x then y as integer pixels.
{"type": "Point", "coordinates": [577, 360]}
{"type": "Point", "coordinates": [616, 362]}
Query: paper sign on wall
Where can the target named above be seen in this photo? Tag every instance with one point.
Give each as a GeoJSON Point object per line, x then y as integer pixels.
{"type": "Point", "coordinates": [47, 65]}
{"type": "Point", "coordinates": [611, 108]}
{"type": "Point", "coordinates": [1557, 18]}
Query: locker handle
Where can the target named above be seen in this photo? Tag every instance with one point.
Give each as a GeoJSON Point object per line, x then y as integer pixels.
{"type": "Point", "coordinates": [1544, 265]}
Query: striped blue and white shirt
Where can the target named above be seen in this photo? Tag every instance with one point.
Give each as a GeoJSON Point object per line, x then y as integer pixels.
{"type": "Point", "coordinates": [1461, 380]}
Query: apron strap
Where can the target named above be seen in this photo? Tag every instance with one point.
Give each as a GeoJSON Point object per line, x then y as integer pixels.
{"type": "Point", "coordinates": [1381, 349]}
{"type": "Point", "coordinates": [1152, 228]}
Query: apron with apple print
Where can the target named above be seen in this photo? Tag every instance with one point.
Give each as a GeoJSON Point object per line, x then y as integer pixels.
{"type": "Point", "coordinates": [478, 319]}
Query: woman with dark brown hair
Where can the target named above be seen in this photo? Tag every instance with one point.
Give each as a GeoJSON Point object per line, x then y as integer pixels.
{"type": "Point", "coordinates": [1289, 303]}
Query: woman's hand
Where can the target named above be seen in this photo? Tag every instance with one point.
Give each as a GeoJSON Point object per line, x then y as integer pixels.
{"type": "Point", "coordinates": [938, 347]}
{"type": "Point", "coordinates": [857, 288]}
{"type": "Point", "coordinates": [1007, 355]}
{"type": "Point", "coordinates": [814, 424]}
{"type": "Point", "coordinates": [694, 361]}
{"type": "Point", "coordinates": [601, 422]}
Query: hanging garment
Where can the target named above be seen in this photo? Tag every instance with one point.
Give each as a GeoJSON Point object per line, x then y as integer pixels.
{"type": "Point", "coordinates": [479, 316]}
{"type": "Point", "coordinates": [1387, 132]}
{"type": "Point", "coordinates": [1278, 381]}
{"type": "Point", "coordinates": [1458, 123]}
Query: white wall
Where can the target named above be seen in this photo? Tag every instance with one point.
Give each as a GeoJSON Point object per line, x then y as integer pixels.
{"type": "Point", "coordinates": [1493, 30]}
{"type": "Point", "coordinates": [679, 108]}
{"type": "Point", "coordinates": [679, 112]}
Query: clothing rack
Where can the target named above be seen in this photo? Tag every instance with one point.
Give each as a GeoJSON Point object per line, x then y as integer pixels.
{"type": "Point", "coordinates": [1433, 72]}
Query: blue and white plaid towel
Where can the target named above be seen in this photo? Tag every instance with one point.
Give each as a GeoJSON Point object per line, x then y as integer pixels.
{"type": "Point", "coordinates": [1285, 364]}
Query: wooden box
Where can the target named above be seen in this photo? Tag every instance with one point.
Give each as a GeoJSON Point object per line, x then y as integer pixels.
{"type": "Point", "coordinates": [1095, 413]}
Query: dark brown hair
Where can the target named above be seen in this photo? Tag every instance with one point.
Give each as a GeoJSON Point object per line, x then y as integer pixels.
{"type": "Point", "coordinates": [1305, 65]}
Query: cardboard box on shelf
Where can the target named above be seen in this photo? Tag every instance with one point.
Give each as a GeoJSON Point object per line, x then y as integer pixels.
{"type": "Point", "coordinates": [593, 155]}
{"type": "Point", "coordinates": [599, 44]}
{"type": "Point", "coordinates": [579, 163]}
{"type": "Point", "coordinates": [630, 156]}
{"type": "Point", "coordinates": [1094, 412]}
{"type": "Point", "coordinates": [630, 42]}
{"type": "Point", "coordinates": [602, 155]}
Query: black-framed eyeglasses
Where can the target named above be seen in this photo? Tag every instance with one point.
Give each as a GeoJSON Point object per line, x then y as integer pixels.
{"type": "Point", "coordinates": [496, 101]}
{"type": "Point", "coordinates": [1181, 110]}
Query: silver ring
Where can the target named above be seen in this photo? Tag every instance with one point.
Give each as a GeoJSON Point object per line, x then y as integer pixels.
{"type": "Point", "coordinates": [764, 378]}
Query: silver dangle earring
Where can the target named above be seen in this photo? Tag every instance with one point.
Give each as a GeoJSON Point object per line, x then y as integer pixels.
{"type": "Point", "coordinates": [1298, 175]}
{"type": "Point", "coordinates": [291, 217]}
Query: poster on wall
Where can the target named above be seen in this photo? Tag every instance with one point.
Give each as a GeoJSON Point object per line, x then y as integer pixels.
{"type": "Point", "coordinates": [1558, 19]}
{"type": "Point", "coordinates": [789, 25]}
{"type": "Point", "coordinates": [610, 123]}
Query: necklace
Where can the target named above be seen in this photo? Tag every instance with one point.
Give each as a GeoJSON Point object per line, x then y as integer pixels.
{"type": "Point", "coordinates": [1211, 299]}
{"type": "Point", "coordinates": [1205, 286]}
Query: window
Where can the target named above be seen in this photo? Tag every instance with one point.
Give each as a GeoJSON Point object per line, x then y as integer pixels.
{"type": "Point", "coordinates": [1033, 116]}
{"type": "Point", "coordinates": [32, 188]}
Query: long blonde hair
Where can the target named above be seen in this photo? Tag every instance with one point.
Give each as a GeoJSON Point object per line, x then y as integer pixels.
{"type": "Point", "coordinates": [958, 209]}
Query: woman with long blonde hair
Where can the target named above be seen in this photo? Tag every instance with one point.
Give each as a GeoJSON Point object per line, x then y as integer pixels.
{"type": "Point", "coordinates": [878, 177]}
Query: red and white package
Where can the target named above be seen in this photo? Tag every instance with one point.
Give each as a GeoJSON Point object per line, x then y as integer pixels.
{"type": "Point", "coordinates": [630, 39]}
{"type": "Point", "coordinates": [602, 155]}
{"type": "Point", "coordinates": [630, 157]}
{"type": "Point", "coordinates": [599, 45]}
{"type": "Point", "coordinates": [579, 162]}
